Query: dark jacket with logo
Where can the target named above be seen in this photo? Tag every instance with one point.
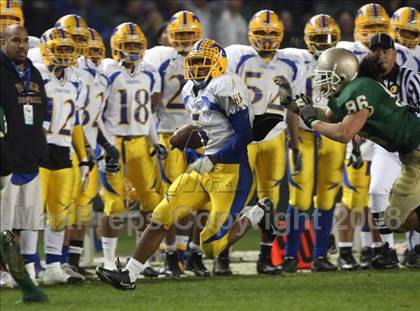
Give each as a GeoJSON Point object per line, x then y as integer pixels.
{"type": "Point", "coordinates": [24, 146]}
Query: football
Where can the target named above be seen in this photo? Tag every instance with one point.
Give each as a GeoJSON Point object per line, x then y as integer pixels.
{"type": "Point", "coordinates": [186, 136]}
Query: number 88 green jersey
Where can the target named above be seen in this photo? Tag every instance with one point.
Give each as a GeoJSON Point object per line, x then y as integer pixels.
{"type": "Point", "coordinates": [390, 123]}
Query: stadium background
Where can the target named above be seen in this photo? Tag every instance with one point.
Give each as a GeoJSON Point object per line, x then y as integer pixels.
{"type": "Point", "coordinates": [104, 15]}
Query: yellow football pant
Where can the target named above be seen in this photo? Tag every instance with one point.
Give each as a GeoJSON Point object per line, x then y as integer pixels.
{"type": "Point", "coordinates": [268, 162]}
{"type": "Point", "coordinates": [174, 165]}
{"type": "Point", "coordinates": [356, 186]}
{"type": "Point", "coordinates": [81, 211]}
{"type": "Point", "coordinates": [322, 166]}
{"type": "Point", "coordinates": [227, 188]}
{"type": "Point", "coordinates": [140, 169]}
{"type": "Point", "coordinates": [57, 189]}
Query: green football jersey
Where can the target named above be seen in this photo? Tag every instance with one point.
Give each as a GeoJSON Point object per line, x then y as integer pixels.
{"type": "Point", "coordinates": [390, 123]}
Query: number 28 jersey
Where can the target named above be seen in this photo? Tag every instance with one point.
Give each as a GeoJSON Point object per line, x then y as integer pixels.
{"type": "Point", "coordinates": [128, 108]}
{"type": "Point", "coordinates": [63, 105]}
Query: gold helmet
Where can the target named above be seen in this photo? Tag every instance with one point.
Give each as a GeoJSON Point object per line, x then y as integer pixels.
{"type": "Point", "coordinates": [184, 29]}
{"type": "Point", "coordinates": [52, 47]}
{"type": "Point", "coordinates": [78, 29]}
{"type": "Point", "coordinates": [405, 26]}
{"type": "Point", "coordinates": [10, 14]}
{"type": "Point", "coordinates": [265, 31]}
{"type": "Point", "coordinates": [128, 43]}
{"type": "Point", "coordinates": [370, 20]}
{"type": "Point", "coordinates": [321, 33]}
{"type": "Point", "coordinates": [206, 59]}
{"type": "Point", "coordinates": [96, 50]}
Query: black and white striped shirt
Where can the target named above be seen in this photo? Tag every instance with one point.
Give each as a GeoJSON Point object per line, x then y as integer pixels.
{"type": "Point", "coordinates": [405, 84]}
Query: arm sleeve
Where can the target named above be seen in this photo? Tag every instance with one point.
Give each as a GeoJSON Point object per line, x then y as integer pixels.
{"type": "Point", "coordinates": [153, 136]}
{"type": "Point", "coordinates": [243, 136]}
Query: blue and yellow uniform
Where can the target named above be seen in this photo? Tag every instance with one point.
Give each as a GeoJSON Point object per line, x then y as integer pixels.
{"type": "Point", "coordinates": [221, 109]}
{"type": "Point", "coordinates": [128, 119]}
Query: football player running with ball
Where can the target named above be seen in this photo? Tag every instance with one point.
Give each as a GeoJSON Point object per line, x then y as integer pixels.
{"type": "Point", "coordinates": [183, 30]}
{"type": "Point", "coordinates": [219, 104]}
{"type": "Point", "coordinates": [360, 105]}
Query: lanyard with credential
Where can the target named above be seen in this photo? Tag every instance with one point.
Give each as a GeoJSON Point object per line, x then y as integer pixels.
{"type": "Point", "coordinates": [28, 109]}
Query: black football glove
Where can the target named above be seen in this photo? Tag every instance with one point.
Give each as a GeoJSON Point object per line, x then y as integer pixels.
{"type": "Point", "coordinates": [285, 93]}
{"type": "Point", "coordinates": [355, 160]}
{"type": "Point", "coordinates": [112, 159]}
{"type": "Point", "coordinates": [160, 151]}
{"type": "Point", "coordinates": [306, 109]}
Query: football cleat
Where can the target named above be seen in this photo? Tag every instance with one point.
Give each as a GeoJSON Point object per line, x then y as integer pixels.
{"type": "Point", "coordinates": [347, 262]}
{"type": "Point", "coordinates": [149, 272]}
{"type": "Point", "coordinates": [221, 265]}
{"type": "Point", "coordinates": [56, 275]}
{"type": "Point", "coordinates": [265, 266]}
{"type": "Point", "coordinates": [116, 278]}
{"type": "Point", "coordinates": [34, 295]}
{"type": "Point", "coordinates": [195, 264]}
{"type": "Point", "coordinates": [366, 258]}
{"type": "Point", "coordinates": [289, 265]}
{"type": "Point", "coordinates": [171, 268]}
{"type": "Point", "coordinates": [385, 259]}
{"type": "Point", "coordinates": [267, 223]}
{"type": "Point", "coordinates": [322, 264]}
{"type": "Point", "coordinates": [410, 259]}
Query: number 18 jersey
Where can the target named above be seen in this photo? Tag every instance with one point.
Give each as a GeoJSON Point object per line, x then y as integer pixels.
{"type": "Point", "coordinates": [128, 108]}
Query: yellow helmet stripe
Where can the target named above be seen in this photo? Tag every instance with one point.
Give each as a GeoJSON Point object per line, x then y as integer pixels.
{"type": "Point", "coordinates": [375, 9]}
{"type": "Point", "coordinates": [267, 16]}
{"type": "Point", "coordinates": [8, 4]}
{"type": "Point", "coordinates": [184, 18]}
{"type": "Point", "coordinates": [323, 21]}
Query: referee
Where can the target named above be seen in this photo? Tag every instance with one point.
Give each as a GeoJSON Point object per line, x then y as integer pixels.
{"type": "Point", "coordinates": [404, 84]}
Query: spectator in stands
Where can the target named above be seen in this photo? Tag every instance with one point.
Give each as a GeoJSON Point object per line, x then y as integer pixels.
{"type": "Point", "coordinates": [206, 12]}
{"type": "Point", "coordinates": [232, 27]}
{"type": "Point", "coordinates": [346, 22]}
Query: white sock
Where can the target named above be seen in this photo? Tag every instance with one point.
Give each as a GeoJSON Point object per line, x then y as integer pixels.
{"type": "Point", "coordinates": [377, 244]}
{"type": "Point", "coordinates": [135, 268]}
{"type": "Point", "coordinates": [138, 236]}
{"type": "Point", "coordinates": [345, 244]}
{"type": "Point", "coordinates": [388, 238]}
{"type": "Point", "coordinates": [194, 247]}
{"type": "Point", "coordinates": [255, 214]}
{"type": "Point", "coordinates": [53, 241]}
{"type": "Point", "coordinates": [181, 242]}
{"type": "Point", "coordinates": [170, 248]}
{"type": "Point", "coordinates": [30, 267]}
{"type": "Point", "coordinates": [109, 246]}
{"type": "Point", "coordinates": [413, 239]}
{"type": "Point", "coordinates": [366, 238]}
{"type": "Point", "coordinates": [28, 242]}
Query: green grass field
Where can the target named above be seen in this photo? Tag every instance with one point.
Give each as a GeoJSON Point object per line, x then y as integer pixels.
{"type": "Point", "coordinates": [364, 290]}
{"type": "Point", "coordinates": [398, 290]}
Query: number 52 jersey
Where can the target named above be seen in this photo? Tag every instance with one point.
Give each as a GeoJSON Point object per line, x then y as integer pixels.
{"type": "Point", "coordinates": [128, 109]}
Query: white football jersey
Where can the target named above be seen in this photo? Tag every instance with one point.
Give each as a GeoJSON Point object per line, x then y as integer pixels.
{"type": "Point", "coordinates": [33, 42]}
{"type": "Point", "coordinates": [414, 59]}
{"type": "Point", "coordinates": [92, 98]}
{"type": "Point", "coordinates": [360, 50]}
{"type": "Point", "coordinates": [171, 113]}
{"type": "Point", "coordinates": [212, 106]}
{"type": "Point", "coordinates": [63, 107]}
{"type": "Point", "coordinates": [34, 54]}
{"type": "Point", "coordinates": [258, 75]}
{"type": "Point", "coordinates": [128, 108]}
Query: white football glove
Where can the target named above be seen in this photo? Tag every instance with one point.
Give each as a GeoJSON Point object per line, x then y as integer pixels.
{"type": "Point", "coordinates": [202, 166]}
{"type": "Point", "coordinates": [85, 166]}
